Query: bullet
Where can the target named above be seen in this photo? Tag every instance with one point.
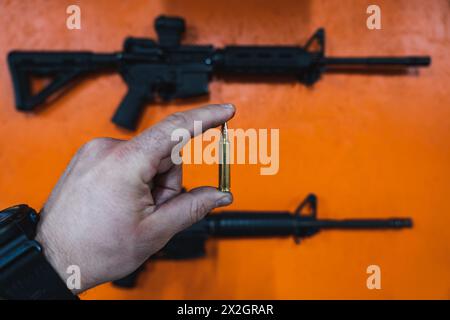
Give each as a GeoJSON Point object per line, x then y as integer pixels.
{"type": "Point", "coordinates": [224, 160]}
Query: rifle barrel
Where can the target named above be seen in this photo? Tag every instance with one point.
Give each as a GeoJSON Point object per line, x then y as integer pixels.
{"type": "Point", "coordinates": [392, 223]}
{"type": "Point", "coordinates": [254, 224]}
{"type": "Point", "coordinates": [412, 61]}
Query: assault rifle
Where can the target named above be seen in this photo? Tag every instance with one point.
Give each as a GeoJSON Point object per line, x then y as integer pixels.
{"type": "Point", "coordinates": [166, 69]}
{"type": "Point", "coordinates": [190, 243]}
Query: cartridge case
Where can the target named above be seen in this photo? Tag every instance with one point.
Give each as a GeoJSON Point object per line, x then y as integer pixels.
{"type": "Point", "coordinates": [224, 160]}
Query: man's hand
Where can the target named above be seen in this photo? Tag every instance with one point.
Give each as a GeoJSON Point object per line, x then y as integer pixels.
{"type": "Point", "coordinates": [119, 202]}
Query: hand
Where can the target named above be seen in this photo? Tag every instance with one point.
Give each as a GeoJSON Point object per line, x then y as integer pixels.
{"type": "Point", "coordinates": [119, 202]}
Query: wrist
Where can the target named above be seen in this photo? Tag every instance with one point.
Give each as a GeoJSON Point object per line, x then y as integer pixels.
{"type": "Point", "coordinates": [54, 257]}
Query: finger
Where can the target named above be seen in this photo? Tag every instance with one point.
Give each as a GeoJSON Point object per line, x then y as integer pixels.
{"type": "Point", "coordinates": [159, 136]}
{"type": "Point", "coordinates": [167, 185]}
{"type": "Point", "coordinates": [164, 165]}
{"type": "Point", "coordinates": [156, 142]}
{"type": "Point", "coordinates": [185, 209]}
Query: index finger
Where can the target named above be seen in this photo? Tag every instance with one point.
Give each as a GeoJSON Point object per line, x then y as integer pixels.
{"type": "Point", "coordinates": [156, 142]}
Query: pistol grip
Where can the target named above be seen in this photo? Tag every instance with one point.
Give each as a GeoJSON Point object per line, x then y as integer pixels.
{"type": "Point", "coordinates": [130, 109]}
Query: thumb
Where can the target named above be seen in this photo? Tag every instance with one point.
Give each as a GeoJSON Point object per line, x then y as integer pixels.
{"type": "Point", "coordinates": [188, 208]}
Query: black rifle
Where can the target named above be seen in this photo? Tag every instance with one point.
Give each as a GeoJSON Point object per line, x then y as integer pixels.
{"type": "Point", "coordinates": [190, 243]}
{"type": "Point", "coordinates": [167, 69]}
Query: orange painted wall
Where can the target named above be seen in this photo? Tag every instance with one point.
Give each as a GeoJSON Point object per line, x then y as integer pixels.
{"type": "Point", "coordinates": [368, 146]}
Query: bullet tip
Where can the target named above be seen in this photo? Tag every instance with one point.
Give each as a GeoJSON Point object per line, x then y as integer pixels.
{"type": "Point", "coordinates": [224, 131]}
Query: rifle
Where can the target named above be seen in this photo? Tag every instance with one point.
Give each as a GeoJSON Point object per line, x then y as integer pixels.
{"type": "Point", "coordinates": [190, 243]}
{"type": "Point", "coordinates": [166, 69]}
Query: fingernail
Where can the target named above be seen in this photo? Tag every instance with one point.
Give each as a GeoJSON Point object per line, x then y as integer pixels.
{"type": "Point", "coordinates": [229, 106]}
{"type": "Point", "coordinates": [225, 200]}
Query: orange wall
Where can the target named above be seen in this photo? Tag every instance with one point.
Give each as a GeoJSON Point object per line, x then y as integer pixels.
{"type": "Point", "coordinates": [368, 146]}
